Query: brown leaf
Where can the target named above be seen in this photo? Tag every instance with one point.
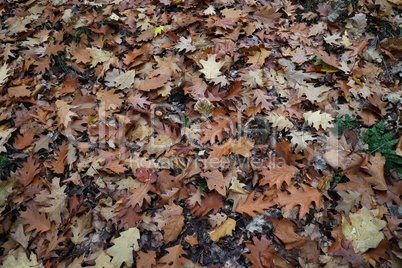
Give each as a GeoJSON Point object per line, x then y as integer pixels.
{"type": "Point", "coordinates": [211, 201]}
{"type": "Point", "coordinates": [285, 232]}
{"type": "Point", "coordinates": [173, 228]}
{"type": "Point", "coordinates": [267, 15]}
{"type": "Point", "coordinates": [146, 260]}
{"type": "Point", "coordinates": [21, 142]}
{"type": "Point", "coordinates": [60, 159]}
{"type": "Point", "coordinates": [215, 181]}
{"type": "Point", "coordinates": [375, 167]}
{"type": "Point", "coordinates": [29, 171]}
{"type": "Point", "coordinates": [297, 197]}
{"type": "Point", "coordinates": [174, 256]}
{"type": "Point", "coordinates": [252, 205]}
{"type": "Point", "coordinates": [35, 220]}
{"type": "Point", "coordinates": [278, 175]}
{"type": "Point", "coordinates": [261, 253]}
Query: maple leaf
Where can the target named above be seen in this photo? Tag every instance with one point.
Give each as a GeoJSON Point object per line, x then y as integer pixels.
{"type": "Point", "coordinates": [215, 181]}
{"type": "Point", "coordinates": [251, 205]}
{"type": "Point", "coordinates": [211, 67]}
{"type": "Point", "coordinates": [122, 251]}
{"type": "Point", "coordinates": [36, 221]}
{"type": "Point", "coordinates": [297, 197]}
{"type": "Point", "coordinates": [268, 16]}
{"type": "Point", "coordinates": [261, 253]}
{"type": "Point", "coordinates": [278, 175]}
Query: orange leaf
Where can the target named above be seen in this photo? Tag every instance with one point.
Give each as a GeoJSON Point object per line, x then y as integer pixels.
{"type": "Point", "coordinates": [22, 142]}
{"type": "Point", "coordinates": [297, 197]}
{"type": "Point", "coordinates": [252, 205]}
{"type": "Point", "coordinates": [278, 175]}
{"type": "Point", "coordinates": [261, 252]}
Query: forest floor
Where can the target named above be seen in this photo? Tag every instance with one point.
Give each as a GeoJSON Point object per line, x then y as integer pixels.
{"type": "Point", "coordinates": [200, 133]}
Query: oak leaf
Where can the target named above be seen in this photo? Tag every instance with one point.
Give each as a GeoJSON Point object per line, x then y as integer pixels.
{"type": "Point", "coordinates": [110, 100]}
{"type": "Point", "coordinates": [126, 80]}
{"type": "Point", "coordinates": [211, 201]}
{"type": "Point", "coordinates": [146, 260]}
{"type": "Point", "coordinates": [173, 228]}
{"type": "Point", "coordinates": [29, 171]}
{"type": "Point", "coordinates": [286, 233]}
{"type": "Point", "coordinates": [225, 228]}
{"type": "Point", "coordinates": [250, 205]}
{"type": "Point", "coordinates": [60, 159]}
{"type": "Point", "coordinates": [278, 175]}
{"type": "Point", "coordinates": [215, 181]}
{"type": "Point", "coordinates": [64, 113]}
{"type": "Point", "coordinates": [261, 253]}
{"type": "Point", "coordinates": [139, 195]}
{"type": "Point", "coordinates": [317, 119]}
{"type": "Point", "coordinates": [122, 251]}
{"type": "Point", "coordinates": [297, 197]}
{"type": "Point", "coordinates": [36, 221]}
{"type": "Point", "coordinates": [174, 256]}
{"type": "Point", "coordinates": [375, 167]}
{"type": "Point", "coordinates": [23, 141]}
{"type": "Point", "coordinates": [4, 74]}
{"type": "Point", "coordinates": [211, 67]}
{"type": "Point", "coordinates": [242, 147]}
{"type": "Point", "coordinates": [267, 15]}
{"type": "Point", "coordinates": [261, 97]}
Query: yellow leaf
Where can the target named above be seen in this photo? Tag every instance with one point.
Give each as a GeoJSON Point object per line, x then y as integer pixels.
{"type": "Point", "coordinates": [158, 30]}
{"type": "Point", "coordinates": [225, 228]}
{"type": "Point", "coordinates": [365, 229]}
